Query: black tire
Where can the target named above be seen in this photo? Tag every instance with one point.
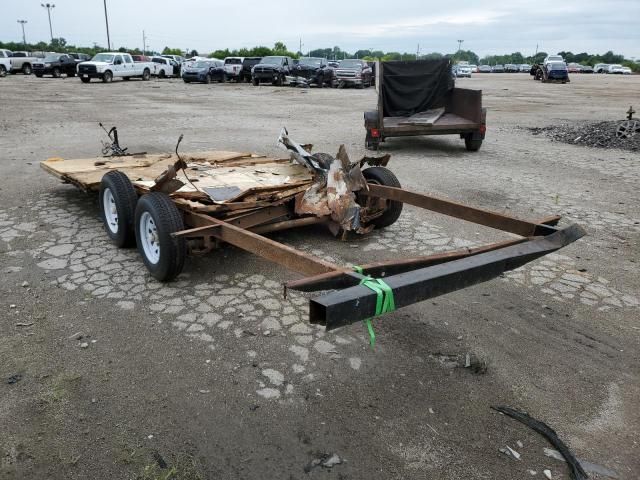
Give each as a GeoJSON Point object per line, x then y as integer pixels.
{"type": "Point", "coordinates": [471, 144]}
{"type": "Point", "coordinates": [123, 198]}
{"type": "Point", "coordinates": [71, 74]}
{"type": "Point", "coordinates": [3, 71]}
{"type": "Point", "coordinates": [146, 74]}
{"type": "Point", "coordinates": [223, 78]}
{"type": "Point", "coordinates": [39, 75]}
{"type": "Point", "coordinates": [56, 73]}
{"type": "Point", "coordinates": [384, 176]}
{"type": "Point", "coordinates": [107, 76]}
{"type": "Point", "coordinates": [186, 81]}
{"type": "Point", "coordinates": [167, 219]}
{"type": "Point", "coordinates": [26, 69]}
{"type": "Point", "coordinates": [255, 82]}
{"type": "Point", "coordinates": [280, 81]}
{"type": "Point", "coordinates": [85, 80]}
{"type": "Point", "coordinates": [207, 79]}
{"type": "Point", "coordinates": [162, 74]}
{"type": "Point", "coordinates": [126, 79]}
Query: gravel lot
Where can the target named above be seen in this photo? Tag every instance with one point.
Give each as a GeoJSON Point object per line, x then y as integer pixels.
{"type": "Point", "coordinates": [217, 376]}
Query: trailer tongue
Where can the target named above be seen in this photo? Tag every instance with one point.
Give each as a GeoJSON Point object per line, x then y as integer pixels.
{"type": "Point", "coordinates": [174, 204]}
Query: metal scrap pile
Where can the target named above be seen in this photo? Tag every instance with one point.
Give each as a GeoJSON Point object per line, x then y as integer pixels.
{"type": "Point", "coordinates": [624, 135]}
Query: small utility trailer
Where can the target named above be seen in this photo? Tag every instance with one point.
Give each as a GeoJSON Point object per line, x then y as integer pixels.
{"type": "Point", "coordinates": [171, 205]}
{"type": "Point", "coordinates": [419, 98]}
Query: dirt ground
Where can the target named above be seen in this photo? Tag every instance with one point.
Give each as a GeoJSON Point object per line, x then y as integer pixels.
{"type": "Point", "coordinates": [217, 376]}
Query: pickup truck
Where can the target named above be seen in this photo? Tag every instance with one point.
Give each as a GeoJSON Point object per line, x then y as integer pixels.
{"type": "Point", "coordinates": [109, 65]}
{"type": "Point", "coordinates": [22, 62]}
{"type": "Point", "coordinates": [55, 65]}
{"type": "Point", "coordinates": [354, 72]}
{"type": "Point", "coordinates": [5, 63]}
{"type": "Point", "coordinates": [272, 69]}
{"type": "Point", "coordinates": [233, 68]}
{"type": "Point", "coordinates": [163, 67]}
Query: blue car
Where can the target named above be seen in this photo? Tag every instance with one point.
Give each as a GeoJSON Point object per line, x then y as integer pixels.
{"type": "Point", "coordinates": [204, 71]}
{"type": "Point", "coordinates": [557, 71]}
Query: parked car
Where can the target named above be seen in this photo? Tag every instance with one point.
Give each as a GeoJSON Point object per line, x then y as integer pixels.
{"type": "Point", "coordinates": [574, 67]}
{"type": "Point", "coordinates": [615, 69]}
{"type": "Point", "coordinates": [626, 71]}
{"type": "Point", "coordinates": [354, 72]}
{"type": "Point", "coordinates": [80, 57]}
{"type": "Point", "coordinates": [55, 65]}
{"type": "Point", "coordinates": [176, 58]}
{"type": "Point", "coordinates": [315, 70]}
{"type": "Point", "coordinates": [5, 62]}
{"type": "Point", "coordinates": [511, 68]}
{"type": "Point", "coordinates": [233, 67]}
{"type": "Point", "coordinates": [586, 69]}
{"type": "Point", "coordinates": [484, 69]}
{"type": "Point", "coordinates": [601, 68]}
{"type": "Point", "coordinates": [247, 64]}
{"type": "Point", "coordinates": [190, 61]}
{"type": "Point", "coordinates": [462, 71]}
{"type": "Point", "coordinates": [272, 69]}
{"type": "Point", "coordinates": [23, 62]}
{"type": "Point", "coordinates": [204, 71]}
{"type": "Point", "coordinates": [141, 58]}
{"type": "Point", "coordinates": [557, 71]}
{"type": "Point", "coordinates": [163, 67]}
{"type": "Point", "coordinates": [497, 69]}
{"type": "Point", "coordinates": [109, 65]}
{"type": "Point", "coordinates": [553, 58]}
{"type": "Point", "coordinates": [474, 68]}
{"type": "Point", "coordinates": [524, 67]}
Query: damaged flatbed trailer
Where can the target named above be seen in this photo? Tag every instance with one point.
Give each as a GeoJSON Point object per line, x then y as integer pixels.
{"type": "Point", "coordinates": [173, 204]}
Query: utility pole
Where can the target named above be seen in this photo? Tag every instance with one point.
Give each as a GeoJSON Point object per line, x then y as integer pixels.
{"type": "Point", "coordinates": [24, 38]}
{"type": "Point", "coordinates": [144, 44]}
{"type": "Point", "coordinates": [300, 49]}
{"type": "Point", "coordinates": [106, 20]}
{"type": "Point", "coordinates": [460, 45]}
{"type": "Point", "coordinates": [49, 6]}
{"type": "Point", "coordinates": [418, 52]}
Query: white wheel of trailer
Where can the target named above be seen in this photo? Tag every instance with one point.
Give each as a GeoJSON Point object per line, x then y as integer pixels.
{"type": "Point", "coordinates": [110, 210]}
{"type": "Point", "coordinates": [149, 238]}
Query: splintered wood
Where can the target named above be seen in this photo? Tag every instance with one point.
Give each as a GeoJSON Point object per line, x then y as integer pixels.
{"type": "Point", "coordinates": [215, 181]}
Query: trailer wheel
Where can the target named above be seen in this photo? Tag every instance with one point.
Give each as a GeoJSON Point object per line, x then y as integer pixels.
{"type": "Point", "coordinates": [117, 207]}
{"type": "Point", "coordinates": [471, 144]}
{"type": "Point", "coordinates": [157, 217]}
{"type": "Point", "coordinates": [371, 143]}
{"type": "Point", "coordinates": [384, 176]}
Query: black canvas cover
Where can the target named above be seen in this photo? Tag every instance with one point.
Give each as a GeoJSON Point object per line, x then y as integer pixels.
{"type": "Point", "coordinates": [410, 87]}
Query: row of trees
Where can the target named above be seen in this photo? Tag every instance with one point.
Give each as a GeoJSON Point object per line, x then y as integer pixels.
{"type": "Point", "coordinates": [279, 48]}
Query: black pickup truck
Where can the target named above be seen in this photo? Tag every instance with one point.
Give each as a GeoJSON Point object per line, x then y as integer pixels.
{"type": "Point", "coordinates": [273, 69]}
{"type": "Point", "coordinates": [247, 64]}
{"type": "Point", "coordinates": [55, 65]}
{"type": "Point", "coordinates": [315, 70]}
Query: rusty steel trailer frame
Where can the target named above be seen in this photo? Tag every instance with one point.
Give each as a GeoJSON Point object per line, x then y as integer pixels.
{"type": "Point", "coordinates": [411, 280]}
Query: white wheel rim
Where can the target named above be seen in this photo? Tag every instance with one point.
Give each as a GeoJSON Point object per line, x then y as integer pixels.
{"type": "Point", "coordinates": [149, 238]}
{"type": "Point", "coordinates": [110, 210]}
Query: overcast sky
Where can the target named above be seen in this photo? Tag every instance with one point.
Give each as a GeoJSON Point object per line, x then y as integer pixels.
{"type": "Point", "coordinates": [492, 28]}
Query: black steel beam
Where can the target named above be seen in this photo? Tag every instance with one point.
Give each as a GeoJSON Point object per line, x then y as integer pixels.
{"type": "Point", "coordinates": [356, 303]}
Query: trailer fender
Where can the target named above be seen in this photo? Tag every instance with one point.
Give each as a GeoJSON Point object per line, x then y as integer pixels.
{"type": "Point", "coordinates": [371, 120]}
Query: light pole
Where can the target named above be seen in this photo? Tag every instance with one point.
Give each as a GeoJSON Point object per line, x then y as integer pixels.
{"type": "Point", "coordinates": [460, 45]}
{"type": "Point", "coordinates": [24, 38]}
{"type": "Point", "coordinates": [49, 6]}
{"type": "Point", "coordinates": [106, 20]}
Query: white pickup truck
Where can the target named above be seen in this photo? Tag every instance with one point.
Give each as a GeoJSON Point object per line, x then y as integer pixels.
{"type": "Point", "coordinates": [22, 62]}
{"type": "Point", "coordinates": [163, 67]}
{"type": "Point", "coordinates": [109, 65]}
{"type": "Point", "coordinates": [5, 63]}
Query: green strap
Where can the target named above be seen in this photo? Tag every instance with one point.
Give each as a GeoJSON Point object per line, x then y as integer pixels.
{"type": "Point", "coordinates": [385, 302]}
